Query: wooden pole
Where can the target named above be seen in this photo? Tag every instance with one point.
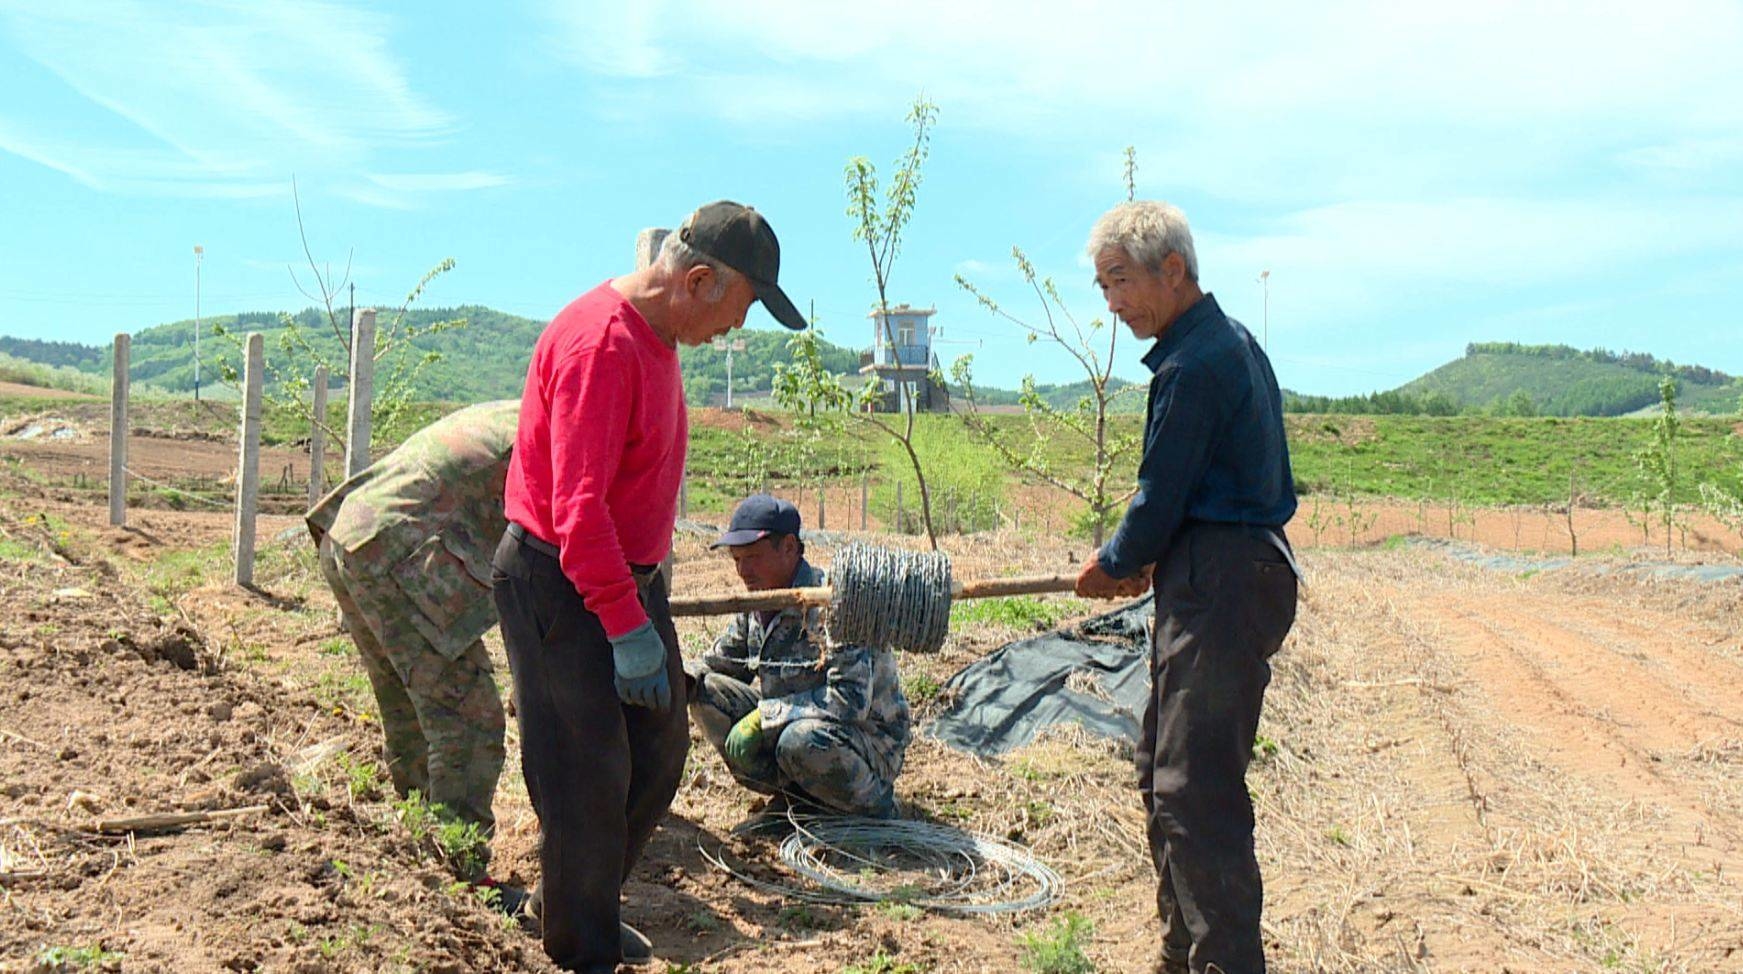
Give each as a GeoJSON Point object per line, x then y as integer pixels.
{"type": "Point", "coordinates": [787, 598]}
{"type": "Point", "coordinates": [361, 393]}
{"type": "Point", "coordinates": [864, 508]}
{"type": "Point", "coordinates": [822, 507]}
{"type": "Point", "coordinates": [118, 432]}
{"type": "Point", "coordinates": [176, 820]}
{"type": "Point", "coordinates": [318, 437]}
{"type": "Point", "coordinates": [901, 517]}
{"type": "Point", "coordinates": [684, 495]}
{"type": "Point", "coordinates": [248, 460]}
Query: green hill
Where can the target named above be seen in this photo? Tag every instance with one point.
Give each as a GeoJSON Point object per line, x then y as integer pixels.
{"type": "Point", "coordinates": [485, 359]}
{"type": "Point", "coordinates": [1555, 380]}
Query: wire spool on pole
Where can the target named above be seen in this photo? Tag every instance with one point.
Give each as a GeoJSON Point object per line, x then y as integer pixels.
{"type": "Point", "coordinates": [881, 597]}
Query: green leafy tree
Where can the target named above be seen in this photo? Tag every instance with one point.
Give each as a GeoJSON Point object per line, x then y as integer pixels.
{"type": "Point", "coordinates": [805, 386]}
{"type": "Point", "coordinates": [301, 349]}
{"type": "Point", "coordinates": [1092, 346]}
{"type": "Point", "coordinates": [1658, 460]}
{"type": "Point", "coordinates": [879, 221]}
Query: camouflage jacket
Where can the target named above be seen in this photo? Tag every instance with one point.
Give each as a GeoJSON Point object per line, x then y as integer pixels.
{"type": "Point", "coordinates": [800, 677]}
{"type": "Point", "coordinates": [427, 518]}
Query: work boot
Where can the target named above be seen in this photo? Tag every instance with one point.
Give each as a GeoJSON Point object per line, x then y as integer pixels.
{"type": "Point", "coordinates": [1169, 963]}
{"type": "Point", "coordinates": [509, 900]}
{"type": "Point", "coordinates": [637, 950]}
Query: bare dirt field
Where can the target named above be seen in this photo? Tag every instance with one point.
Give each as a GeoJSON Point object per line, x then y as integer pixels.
{"type": "Point", "coordinates": [1460, 769]}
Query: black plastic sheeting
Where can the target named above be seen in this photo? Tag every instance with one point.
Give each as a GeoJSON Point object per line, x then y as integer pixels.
{"type": "Point", "coordinates": [1003, 700]}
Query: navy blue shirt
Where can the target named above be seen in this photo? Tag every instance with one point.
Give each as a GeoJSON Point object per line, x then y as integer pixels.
{"type": "Point", "coordinates": [1213, 439]}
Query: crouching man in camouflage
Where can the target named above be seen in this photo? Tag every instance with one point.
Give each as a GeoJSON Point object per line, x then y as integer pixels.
{"type": "Point", "coordinates": [406, 547]}
{"type": "Point", "coordinates": [820, 728]}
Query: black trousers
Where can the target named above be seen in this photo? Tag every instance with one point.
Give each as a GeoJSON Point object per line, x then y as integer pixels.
{"type": "Point", "coordinates": [600, 773]}
{"type": "Point", "coordinates": [1225, 598]}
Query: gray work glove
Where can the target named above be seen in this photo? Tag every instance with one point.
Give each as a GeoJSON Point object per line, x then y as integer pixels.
{"type": "Point", "coordinates": [640, 659]}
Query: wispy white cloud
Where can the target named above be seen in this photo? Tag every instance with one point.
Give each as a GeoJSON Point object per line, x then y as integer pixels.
{"type": "Point", "coordinates": [213, 98]}
{"type": "Point", "coordinates": [445, 182]}
{"type": "Point", "coordinates": [616, 39]}
{"type": "Point", "coordinates": [1256, 100]}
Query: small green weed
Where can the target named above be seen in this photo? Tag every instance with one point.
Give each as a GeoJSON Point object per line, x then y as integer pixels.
{"type": "Point", "coordinates": [798, 916]}
{"type": "Point", "coordinates": [11, 550]}
{"type": "Point", "coordinates": [362, 777]}
{"type": "Point", "coordinates": [899, 910]}
{"type": "Point", "coordinates": [1016, 612]}
{"type": "Point", "coordinates": [883, 963]}
{"type": "Point", "coordinates": [702, 921]}
{"type": "Point", "coordinates": [1058, 949]}
{"type": "Point", "coordinates": [921, 688]}
{"type": "Point", "coordinates": [461, 844]}
{"type": "Point", "coordinates": [1264, 748]}
{"type": "Point", "coordinates": [92, 958]}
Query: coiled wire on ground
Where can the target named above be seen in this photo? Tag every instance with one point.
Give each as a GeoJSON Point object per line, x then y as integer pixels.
{"type": "Point", "coordinates": [893, 599]}
{"type": "Point", "coordinates": [852, 861]}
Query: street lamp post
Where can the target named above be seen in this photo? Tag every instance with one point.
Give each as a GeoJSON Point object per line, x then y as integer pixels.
{"type": "Point", "coordinates": [1265, 285]}
{"type": "Point", "coordinates": [199, 258]}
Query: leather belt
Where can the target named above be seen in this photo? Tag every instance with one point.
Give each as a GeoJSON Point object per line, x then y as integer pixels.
{"type": "Point", "coordinates": [641, 573]}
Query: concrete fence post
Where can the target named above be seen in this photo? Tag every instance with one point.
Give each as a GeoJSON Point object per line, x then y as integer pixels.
{"type": "Point", "coordinates": [822, 507]}
{"type": "Point", "coordinates": [248, 461]}
{"type": "Point", "coordinates": [318, 436]}
{"type": "Point", "coordinates": [901, 516]}
{"type": "Point", "coordinates": [118, 432]}
{"type": "Point", "coordinates": [361, 393]}
{"type": "Point", "coordinates": [684, 496]}
{"type": "Point", "coordinates": [864, 498]}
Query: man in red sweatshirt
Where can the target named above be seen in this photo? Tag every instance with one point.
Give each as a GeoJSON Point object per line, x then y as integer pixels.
{"type": "Point", "coordinates": [591, 498]}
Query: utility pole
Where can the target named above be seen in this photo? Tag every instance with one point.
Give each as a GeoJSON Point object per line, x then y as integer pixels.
{"type": "Point", "coordinates": [1265, 285]}
{"type": "Point", "coordinates": [199, 258]}
{"type": "Point", "coordinates": [720, 342]}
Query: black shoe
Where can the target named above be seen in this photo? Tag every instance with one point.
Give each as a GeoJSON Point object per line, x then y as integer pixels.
{"type": "Point", "coordinates": [509, 900]}
{"type": "Point", "coordinates": [636, 949]}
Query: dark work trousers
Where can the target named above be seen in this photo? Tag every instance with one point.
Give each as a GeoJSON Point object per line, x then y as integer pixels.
{"type": "Point", "coordinates": [601, 773]}
{"type": "Point", "coordinates": [1225, 598]}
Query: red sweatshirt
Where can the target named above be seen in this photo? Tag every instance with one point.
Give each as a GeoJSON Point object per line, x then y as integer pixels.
{"type": "Point", "coordinates": [600, 451]}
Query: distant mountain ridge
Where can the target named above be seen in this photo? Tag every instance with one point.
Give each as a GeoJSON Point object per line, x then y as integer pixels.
{"type": "Point", "coordinates": [488, 358]}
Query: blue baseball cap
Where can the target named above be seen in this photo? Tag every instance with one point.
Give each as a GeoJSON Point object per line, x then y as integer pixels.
{"type": "Point", "coordinates": [757, 517]}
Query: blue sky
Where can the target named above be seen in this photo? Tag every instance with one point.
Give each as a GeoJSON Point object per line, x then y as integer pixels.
{"type": "Point", "coordinates": [1414, 176]}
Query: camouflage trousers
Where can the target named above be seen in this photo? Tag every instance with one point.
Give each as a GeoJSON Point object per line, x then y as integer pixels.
{"type": "Point", "coordinates": [820, 762]}
{"type": "Point", "coordinates": [441, 718]}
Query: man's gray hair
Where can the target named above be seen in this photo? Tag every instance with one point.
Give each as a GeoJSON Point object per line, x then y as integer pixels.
{"type": "Point", "coordinates": [1148, 231]}
{"type": "Point", "coordinates": [677, 256]}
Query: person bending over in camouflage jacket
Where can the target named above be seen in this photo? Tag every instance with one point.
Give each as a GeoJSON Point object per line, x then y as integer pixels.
{"type": "Point", "coordinates": [406, 547]}
{"type": "Point", "coordinates": [813, 725]}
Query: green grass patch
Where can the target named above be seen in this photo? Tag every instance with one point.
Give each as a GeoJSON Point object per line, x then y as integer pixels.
{"type": "Point", "coordinates": [54, 960]}
{"type": "Point", "coordinates": [881, 962]}
{"type": "Point", "coordinates": [1015, 612]}
{"type": "Point", "coordinates": [1059, 948]}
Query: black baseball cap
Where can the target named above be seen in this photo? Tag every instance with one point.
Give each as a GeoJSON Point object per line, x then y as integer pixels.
{"type": "Point", "coordinates": [740, 238]}
{"type": "Point", "coordinates": [757, 517]}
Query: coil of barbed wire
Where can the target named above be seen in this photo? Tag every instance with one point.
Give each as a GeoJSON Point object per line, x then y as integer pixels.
{"type": "Point", "coordinates": [888, 598]}
{"type": "Point", "coordinates": [851, 860]}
